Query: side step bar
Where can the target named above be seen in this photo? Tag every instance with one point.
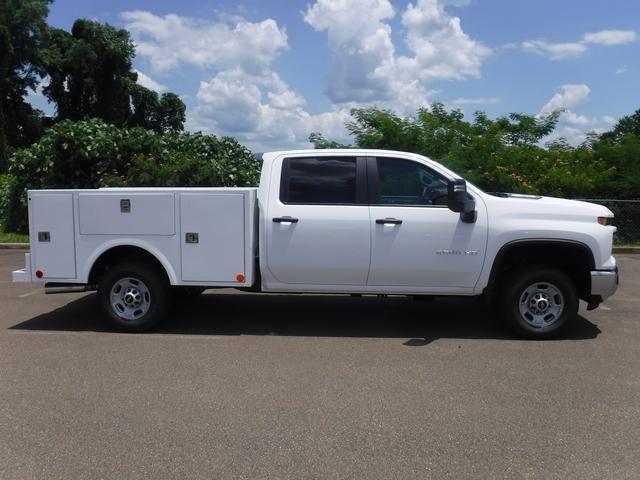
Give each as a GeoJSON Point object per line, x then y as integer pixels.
{"type": "Point", "coordinates": [51, 288]}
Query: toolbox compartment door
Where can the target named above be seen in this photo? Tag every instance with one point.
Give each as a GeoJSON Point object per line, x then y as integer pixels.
{"type": "Point", "coordinates": [52, 236]}
{"type": "Point", "coordinates": [126, 213]}
{"type": "Point", "coordinates": [213, 237]}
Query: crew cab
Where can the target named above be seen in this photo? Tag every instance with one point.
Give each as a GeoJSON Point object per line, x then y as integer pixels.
{"type": "Point", "coordinates": [342, 221]}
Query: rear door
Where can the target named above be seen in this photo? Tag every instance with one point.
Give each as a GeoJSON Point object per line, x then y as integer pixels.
{"type": "Point", "coordinates": [317, 228]}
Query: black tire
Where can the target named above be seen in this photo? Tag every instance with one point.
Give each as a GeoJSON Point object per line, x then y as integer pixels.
{"type": "Point", "coordinates": [538, 302]}
{"type": "Point", "coordinates": [134, 296]}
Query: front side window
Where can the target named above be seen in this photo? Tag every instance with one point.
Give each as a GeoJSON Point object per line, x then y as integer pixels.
{"type": "Point", "coordinates": [319, 180]}
{"type": "Point", "coordinates": [403, 182]}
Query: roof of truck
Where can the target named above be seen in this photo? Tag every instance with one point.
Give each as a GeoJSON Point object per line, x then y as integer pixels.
{"type": "Point", "coordinates": [335, 151]}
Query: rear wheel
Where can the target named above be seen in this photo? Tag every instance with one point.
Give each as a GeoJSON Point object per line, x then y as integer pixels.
{"type": "Point", "coordinates": [539, 302]}
{"type": "Point", "coordinates": [134, 296]}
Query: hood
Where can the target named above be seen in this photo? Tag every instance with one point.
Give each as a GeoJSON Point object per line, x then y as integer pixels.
{"type": "Point", "coordinates": [539, 206]}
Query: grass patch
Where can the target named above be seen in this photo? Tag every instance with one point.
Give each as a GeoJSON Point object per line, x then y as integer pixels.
{"type": "Point", "coordinates": [12, 237]}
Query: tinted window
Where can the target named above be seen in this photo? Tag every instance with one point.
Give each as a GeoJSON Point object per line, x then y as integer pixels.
{"type": "Point", "coordinates": [403, 182]}
{"type": "Point", "coordinates": [319, 180]}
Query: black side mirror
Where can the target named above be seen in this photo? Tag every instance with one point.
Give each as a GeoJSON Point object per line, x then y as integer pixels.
{"type": "Point", "coordinates": [459, 201]}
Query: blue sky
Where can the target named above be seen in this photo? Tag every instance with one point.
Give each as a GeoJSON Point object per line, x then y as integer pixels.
{"type": "Point", "coordinates": [270, 72]}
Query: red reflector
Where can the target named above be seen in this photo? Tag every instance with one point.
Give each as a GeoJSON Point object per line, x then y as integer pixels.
{"type": "Point", "coordinates": [39, 273]}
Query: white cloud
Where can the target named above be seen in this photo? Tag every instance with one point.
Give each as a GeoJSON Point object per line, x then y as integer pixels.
{"type": "Point", "coordinates": [555, 51]}
{"type": "Point", "coordinates": [579, 120]}
{"type": "Point", "coordinates": [475, 101]}
{"type": "Point", "coordinates": [611, 37]}
{"type": "Point", "coordinates": [261, 111]}
{"type": "Point", "coordinates": [231, 104]}
{"type": "Point", "coordinates": [570, 96]}
{"type": "Point", "coordinates": [442, 50]}
{"type": "Point", "coordinates": [366, 67]}
{"type": "Point", "coordinates": [286, 99]}
{"type": "Point", "coordinates": [148, 82]}
{"type": "Point", "coordinates": [230, 100]}
{"type": "Point", "coordinates": [243, 96]}
{"type": "Point", "coordinates": [573, 135]}
{"type": "Point", "coordinates": [361, 43]}
{"type": "Point", "coordinates": [172, 40]}
{"type": "Point", "coordinates": [558, 51]}
{"type": "Point", "coordinates": [573, 126]}
{"type": "Point", "coordinates": [621, 70]}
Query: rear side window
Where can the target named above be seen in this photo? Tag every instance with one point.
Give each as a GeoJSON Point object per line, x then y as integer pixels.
{"type": "Point", "coordinates": [319, 180]}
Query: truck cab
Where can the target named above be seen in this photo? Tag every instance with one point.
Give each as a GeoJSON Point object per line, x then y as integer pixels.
{"type": "Point", "coordinates": [366, 222]}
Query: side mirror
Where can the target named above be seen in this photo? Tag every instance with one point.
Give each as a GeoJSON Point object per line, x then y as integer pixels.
{"type": "Point", "coordinates": [459, 201]}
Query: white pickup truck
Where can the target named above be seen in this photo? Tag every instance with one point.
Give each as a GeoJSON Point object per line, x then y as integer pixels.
{"type": "Point", "coordinates": [325, 221]}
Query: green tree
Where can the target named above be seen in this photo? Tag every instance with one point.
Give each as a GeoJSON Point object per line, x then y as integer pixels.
{"type": "Point", "coordinates": [92, 77]}
{"type": "Point", "coordinates": [321, 143]}
{"type": "Point", "coordinates": [145, 105]}
{"type": "Point", "coordinates": [376, 128]}
{"type": "Point", "coordinates": [90, 71]}
{"type": "Point", "coordinates": [499, 155]}
{"type": "Point", "coordinates": [23, 30]}
{"type": "Point", "coordinates": [526, 130]}
{"type": "Point", "coordinates": [170, 115]}
{"type": "Point", "coordinates": [629, 124]}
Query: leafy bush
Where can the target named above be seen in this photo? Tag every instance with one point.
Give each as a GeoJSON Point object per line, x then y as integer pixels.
{"type": "Point", "coordinates": [4, 197]}
{"type": "Point", "coordinates": [93, 154]}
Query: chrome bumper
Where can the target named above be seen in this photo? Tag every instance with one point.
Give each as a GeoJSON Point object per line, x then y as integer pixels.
{"type": "Point", "coordinates": [604, 283]}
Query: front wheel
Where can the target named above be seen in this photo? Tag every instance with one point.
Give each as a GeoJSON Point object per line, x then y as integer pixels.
{"type": "Point", "coordinates": [134, 296]}
{"type": "Point", "coordinates": [539, 302]}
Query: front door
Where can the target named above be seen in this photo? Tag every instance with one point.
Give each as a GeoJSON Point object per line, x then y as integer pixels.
{"type": "Point", "coordinates": [318, 227]}
{"type": "Point", "coordinates": [417, 241]}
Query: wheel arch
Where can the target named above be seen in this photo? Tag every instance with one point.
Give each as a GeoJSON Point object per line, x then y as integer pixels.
{"type": "Point", "coordinates": [574, 258]}
{"type": "Point", "coordinates": [120, 251]}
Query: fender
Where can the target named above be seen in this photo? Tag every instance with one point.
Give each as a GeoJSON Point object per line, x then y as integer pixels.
{"type": "Point", "coordinates": [534, 242]}
{"type": "Point", "coordinates": [128, 242]}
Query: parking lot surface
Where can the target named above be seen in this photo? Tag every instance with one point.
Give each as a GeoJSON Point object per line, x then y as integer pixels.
{"type": "Point", "coordinates": [259, 386]}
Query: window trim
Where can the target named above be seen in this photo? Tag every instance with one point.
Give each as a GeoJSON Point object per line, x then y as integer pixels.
{"type": "Point", "coordinates": [373, 181]}
{"type": "Point", "coordinates": [362, 198]}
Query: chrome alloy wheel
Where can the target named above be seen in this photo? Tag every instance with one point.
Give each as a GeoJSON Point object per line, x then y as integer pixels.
{"type": "Point", "coordinates": [130, 298]}
{"type": "Point", "coordinates": [541, 304]}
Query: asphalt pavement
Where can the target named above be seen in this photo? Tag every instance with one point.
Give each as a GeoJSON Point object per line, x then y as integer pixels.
{"type": "Point", "coordinates": [295, 387]}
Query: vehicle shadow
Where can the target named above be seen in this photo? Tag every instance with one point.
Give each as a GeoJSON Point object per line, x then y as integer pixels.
{"type": "Point", "coordinates": [421, 322]}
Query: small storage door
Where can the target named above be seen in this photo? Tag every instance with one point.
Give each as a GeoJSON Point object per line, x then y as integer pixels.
{"type": "Point", "coordinates": [212, 236]}
{"type": "Point", "coordinates": [126, 213]}
{"type": "Point", "coordinates": [52, 235]}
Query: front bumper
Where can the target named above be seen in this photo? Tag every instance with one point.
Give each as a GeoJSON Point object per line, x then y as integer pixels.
{"type": "Point", "coordinates": [604, 283]}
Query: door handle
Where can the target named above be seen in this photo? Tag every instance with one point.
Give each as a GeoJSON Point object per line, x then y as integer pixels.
{"type": "Point", "coordinates": [388, 221]}
{"type": "Point", "coordinates": [285, 220]}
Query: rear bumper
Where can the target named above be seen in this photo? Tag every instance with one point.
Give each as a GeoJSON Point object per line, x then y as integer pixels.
{"type": "Point", "coordinates": [23, 275]}
{"type": "Point", "coordinates": [604, 283]}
